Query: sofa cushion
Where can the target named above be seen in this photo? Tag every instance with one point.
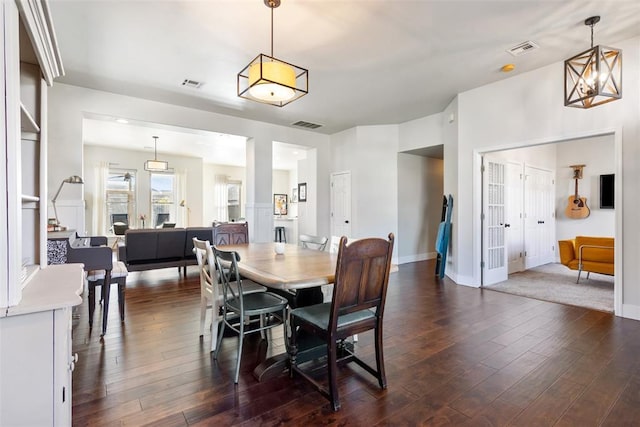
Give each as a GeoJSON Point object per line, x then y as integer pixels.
{"type": "Point", "coordinates": [603, 253]}
{"type": "Point", "coordinates": [141, 245]}
{"type": "Point", "coordinates": [170, 243]}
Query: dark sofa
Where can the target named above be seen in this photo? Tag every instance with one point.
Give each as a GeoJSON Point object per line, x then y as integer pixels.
{"type": "Point", "coordinates": [148, 249]}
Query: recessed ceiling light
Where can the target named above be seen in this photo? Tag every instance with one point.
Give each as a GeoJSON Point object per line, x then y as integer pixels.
{"type": "Point", "coordinates": [123, 121]}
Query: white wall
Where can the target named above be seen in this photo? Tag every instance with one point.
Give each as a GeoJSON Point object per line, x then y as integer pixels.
{"type": "Point", "coordinates": [280, 185]}
{"type": "Point", "coordinates": [370, 154]}
{"type": "Point", "coordinates": [529, 108]}
{"type": "Point", "coordinates": [424, 132]}
{"type": "Point", "coordinates": [68, 104]}
{"type": "Point", "coordinates": [309, 211]}
{"type": "Point", "coordinates": [129, 159]}
{"type": "Point", "coordinates": [598, 156]}
{"type": "Point", "coordinates": [420, 181]}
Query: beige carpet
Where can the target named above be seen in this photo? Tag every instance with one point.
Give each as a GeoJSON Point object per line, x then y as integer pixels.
{"type": "Point", "coordinates": [556, 283]}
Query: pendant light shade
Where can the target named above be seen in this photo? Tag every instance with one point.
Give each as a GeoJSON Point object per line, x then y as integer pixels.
{"type": "Point", "coordinates": [271, 81]}
{"type": "Point", "coordinates": [593, 77]}
{"type": "Point", "coordinates": [156, 165]}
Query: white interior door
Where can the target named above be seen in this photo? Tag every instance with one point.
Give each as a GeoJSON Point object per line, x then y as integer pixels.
{"type": "Point", "coordinates": [539, 217]}
{"type": "Point", "coordinates": [514, 222]}
{"type": "Point", "coordinates": [494, 253]}
{"type": "Point", "coordinates": [341, 204]}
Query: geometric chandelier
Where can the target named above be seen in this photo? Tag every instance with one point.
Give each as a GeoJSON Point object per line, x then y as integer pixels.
{"type": "Point", "coordinates": [593, 77]}
{"type": "Point", "coordinates": [270, 80]}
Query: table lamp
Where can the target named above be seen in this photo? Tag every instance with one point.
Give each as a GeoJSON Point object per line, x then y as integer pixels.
{"type": "Point", "coordinates": [73, 179]}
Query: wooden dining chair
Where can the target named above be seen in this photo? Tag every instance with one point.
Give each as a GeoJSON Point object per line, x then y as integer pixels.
{"type": "Point", "coordinates": [359, 293]}
{"type": "Point", "coordinates": [237, 305]}
{"type": "Point", "coordinates": [211, 288]}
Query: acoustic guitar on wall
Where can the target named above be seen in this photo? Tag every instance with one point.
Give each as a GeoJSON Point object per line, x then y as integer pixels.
{"type": "Point", "coordinates": [577, 206]}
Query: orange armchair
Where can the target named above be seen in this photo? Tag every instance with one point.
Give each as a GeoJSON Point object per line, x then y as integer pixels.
{"type": "Point", "coordinates": [590, 254]}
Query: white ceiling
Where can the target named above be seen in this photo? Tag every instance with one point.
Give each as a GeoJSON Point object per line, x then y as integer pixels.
{"type": "Point", "coordinates": [370, 62]}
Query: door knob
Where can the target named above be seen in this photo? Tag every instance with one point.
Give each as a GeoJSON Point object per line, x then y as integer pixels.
{"type": "Point", "coordinates": [507, 225]}
{"type": "Point", "coordinates": [346, 221]}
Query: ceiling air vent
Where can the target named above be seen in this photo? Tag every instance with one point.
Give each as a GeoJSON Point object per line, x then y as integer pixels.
{"type": "Point", "coordinates": [193, 84]}
{"type": "Point", "coordinates": [522, 48]}
{"type": "Point", "coordinates": [307, 125]}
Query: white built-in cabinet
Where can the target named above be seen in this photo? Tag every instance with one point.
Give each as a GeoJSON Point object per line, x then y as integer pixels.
{"type": "Point", "coordinates": [35, 300]}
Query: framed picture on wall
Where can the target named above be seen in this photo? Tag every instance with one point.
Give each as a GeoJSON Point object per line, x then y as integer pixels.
{"type": "Point", "coordinates": [302, 192]}
{"type": "Point", "coordinates": [294, 195]}
{"type": "Point", "coordinates": [279, 204]}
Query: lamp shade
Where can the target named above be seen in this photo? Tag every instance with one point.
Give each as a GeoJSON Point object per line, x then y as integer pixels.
{"type": "Point", "coordinates": [272, 81]}
{"type": "Point", "coordinates": [156, 165]}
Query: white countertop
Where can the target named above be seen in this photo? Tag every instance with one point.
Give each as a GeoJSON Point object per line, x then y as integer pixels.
{"type": "Point", "coordinates": [53, 287]}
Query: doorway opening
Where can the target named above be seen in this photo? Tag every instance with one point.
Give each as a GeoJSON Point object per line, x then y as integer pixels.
{"type": "Point", "coordinates": [525, 192]}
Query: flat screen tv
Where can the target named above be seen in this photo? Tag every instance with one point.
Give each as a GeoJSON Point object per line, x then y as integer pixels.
{"type": "Point", "coordinates": [606, 191]}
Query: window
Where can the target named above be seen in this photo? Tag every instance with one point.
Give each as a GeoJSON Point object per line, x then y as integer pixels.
{"type": "Point", "coordinates": [120, 196]}
{"type": "Point", "coordinates": [163, 198]}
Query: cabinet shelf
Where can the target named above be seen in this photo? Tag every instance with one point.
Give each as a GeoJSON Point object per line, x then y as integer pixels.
{"type": "Point", "coordinates": [27, 123]}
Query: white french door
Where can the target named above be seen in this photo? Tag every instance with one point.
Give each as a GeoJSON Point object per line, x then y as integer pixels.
{"type": "Point", "coordinates": [494, 251]}
{"type": "Point", "coordinates": [539, 206]}
{"type": "Point", "coordinates": [514, 221]}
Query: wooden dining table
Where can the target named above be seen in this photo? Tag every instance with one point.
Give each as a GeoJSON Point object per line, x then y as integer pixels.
{"type": "Point", "coordinates": [297, 268]}
{"type": "Point", "coordinates": [297, 274]}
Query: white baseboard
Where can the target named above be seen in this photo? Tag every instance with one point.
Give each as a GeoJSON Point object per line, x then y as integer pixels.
{"type": "Point", "coordinates": [465, 281]}
{"type": "Point", "coordinates": [630, 311]}
{"type": "Point", "coordinates": [416, 257]}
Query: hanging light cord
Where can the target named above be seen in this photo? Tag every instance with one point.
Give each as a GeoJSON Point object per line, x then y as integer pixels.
{"type": "Point", "coordinates": [592, 25]}
{"type": "Point", "coordinates": [272, 7]}
{"type": "Point", "coordinates": [155, 149]}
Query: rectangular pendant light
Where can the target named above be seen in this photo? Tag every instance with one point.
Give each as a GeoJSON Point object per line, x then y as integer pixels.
{"type": "Point", "coordinates": [156, 165]}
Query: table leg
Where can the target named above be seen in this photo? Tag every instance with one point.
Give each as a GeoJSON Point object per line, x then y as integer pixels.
{"type": "Point", "coordinates": [309, 347]}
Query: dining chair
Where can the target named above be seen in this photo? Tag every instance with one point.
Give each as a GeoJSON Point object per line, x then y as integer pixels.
{"type": "Point", "coordinates": [97, 278]}
{"type": "Point", "coordinates": [359, 293]}
{"type": "Point", "coordinates": [242, 305]}
{"type": "Point", "coordinates": [119, 230]}
{"type": "Point", "coordinates": [230, 233]}
{"type": "Point", "coordinates": [210, 288]}
{"type": "Point", "coordinates": [318, 243]}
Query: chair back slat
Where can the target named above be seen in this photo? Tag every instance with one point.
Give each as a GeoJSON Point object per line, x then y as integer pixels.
{"type": "Point", "coordinates": [229, 259]}
{"type": "Point", "coordinates": [362, 276]}
{"type": "Point", "coordinates": [206, 265]}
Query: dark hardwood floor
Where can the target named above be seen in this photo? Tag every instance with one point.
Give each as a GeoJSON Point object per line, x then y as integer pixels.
{"type": "Point", "coordinates": [454, 356]}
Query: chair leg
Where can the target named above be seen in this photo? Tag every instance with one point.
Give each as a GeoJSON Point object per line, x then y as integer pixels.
{"type": "Point", "coordinates": [292, 348]}
{"type": "Point", "coordinates": [203, 313]}
{"type": "Point", "coordinates": [215, 319]}
{"type": "Point", "coordinates": [263, 333]}
{"type": "Point", "coordinates": [122, 284]}
{"type": "Point", "coordinates": [220, 335]}
{"type": "Point", "coordinates": [106, 290]}
{"type": "Point", "coordinates": [240, 341]}
{"type": "Point", "coordinates": [92, 302]}
{"type": "Point", "coordinates": [579, 271]}
{"type": "Point", "coordinates": [382, 377]}
{"type": "Point", "coordinates": [332, 367]}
